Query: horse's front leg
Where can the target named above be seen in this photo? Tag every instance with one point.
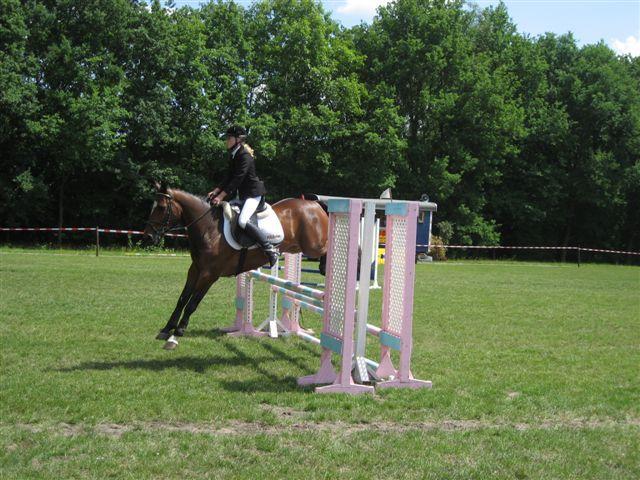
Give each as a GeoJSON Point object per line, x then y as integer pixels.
{"type": "Point", "coordinates": [187, 292]}
{"type": "Point", "coordinates": [203, 284]}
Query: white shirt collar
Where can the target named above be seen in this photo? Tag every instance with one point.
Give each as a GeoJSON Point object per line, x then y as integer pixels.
{"type": "Point", "coordinates": [235, 150]}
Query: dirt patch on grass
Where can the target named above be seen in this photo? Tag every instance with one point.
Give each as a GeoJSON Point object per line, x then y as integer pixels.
{"type": "Point", "coordinates": [112, 429]}
{"type": "Point", "coordinates": [248, 428]}
{"type": "Point", "coordinates": [64, 429]}
{"type": "Point", "coordinates": [282, 412]}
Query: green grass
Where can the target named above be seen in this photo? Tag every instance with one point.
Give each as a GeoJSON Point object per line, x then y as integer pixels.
{"type": "Point", "coordinates": [536, 373]}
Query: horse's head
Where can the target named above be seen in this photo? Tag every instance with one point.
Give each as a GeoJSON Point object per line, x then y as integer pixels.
{"type": "Point", "coordinates": [165, 215]}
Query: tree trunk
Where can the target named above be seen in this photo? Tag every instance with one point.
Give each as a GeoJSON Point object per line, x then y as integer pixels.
{"type": "Point", "coordinates": [60, 213]}
{"type": "Point", "coordinates": [565, 242]}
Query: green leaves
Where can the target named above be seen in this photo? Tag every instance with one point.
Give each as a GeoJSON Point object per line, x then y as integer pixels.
{"type": "Point", "coordinates": [519, 140]}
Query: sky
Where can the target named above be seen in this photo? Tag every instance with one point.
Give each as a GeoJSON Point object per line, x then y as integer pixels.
{"type": "Point", "coordinates": [616, 22]}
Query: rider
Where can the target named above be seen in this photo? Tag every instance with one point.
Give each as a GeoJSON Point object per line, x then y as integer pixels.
{"type": "Point", "coordinates": [250, 189]}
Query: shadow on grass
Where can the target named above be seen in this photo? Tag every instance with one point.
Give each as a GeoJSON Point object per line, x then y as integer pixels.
{"type": "Point", "coordinates": [275, 383]}
{"type": "Point", "coordinates": [193, 364]}
{"type": "Point", "coordinates": [284, 384]}
{"type": "Point", "coordinates": [262, 365]}
{"type": "Point", "coordinates": [274, 346]}
{"type": "Point", "coordinates": [214, 333]}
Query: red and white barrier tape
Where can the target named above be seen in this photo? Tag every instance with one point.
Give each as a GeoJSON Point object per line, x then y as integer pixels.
{"type": "Point", "coordinates": [506, 247]}
{"type": "Point", "coordinates": [80, 229]}
{"type": "Point", "coordinates": [46, 229]}
{"type": "Point", "coordinates": [136, 232]}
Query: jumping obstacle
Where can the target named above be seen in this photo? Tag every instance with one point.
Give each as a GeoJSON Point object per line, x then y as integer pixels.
{"type": "Point", "coordinates": [337, 303]}
{"type": "Point", "coordinates": [373, 277]}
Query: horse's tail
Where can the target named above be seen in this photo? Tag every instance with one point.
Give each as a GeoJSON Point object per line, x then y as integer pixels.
{"type": "Point", "coordinates": [322, 261]}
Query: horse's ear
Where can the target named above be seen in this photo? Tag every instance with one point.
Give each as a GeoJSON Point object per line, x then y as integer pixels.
{"type": "Point", "coordinates": [157, 185]}
{"type": "Point", "coordinates": [163, 187]}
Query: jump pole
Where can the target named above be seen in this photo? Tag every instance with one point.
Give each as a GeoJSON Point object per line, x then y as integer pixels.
{"type": "Point", "coordinates": [368, 229]}
{"type": "Point", "coordinates": [397, 298]}
{"type": "Point", "coordinates": [339, 300]}
{"type": "Point", "coordinates": [291, 311]}
{"type": "Point", "coordinates": [298, 296]}
{"type": "Point", "coordinates": [362, 374]}
{"type": "Point", "coordinates": [376, 245]}
{"type": "Point", "coordinates": [280, 282]}
{"type": "Point", "coordinates": [272, 323]}
{"type": "Point", "coordinates": [244, 309]}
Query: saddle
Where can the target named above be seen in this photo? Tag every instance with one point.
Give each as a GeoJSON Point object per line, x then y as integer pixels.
{"type": "Point", "coordinates": [264, 218]}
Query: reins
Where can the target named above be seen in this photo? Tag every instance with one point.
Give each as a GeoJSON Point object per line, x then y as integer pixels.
{"type": "Point", "coordinates": [191, 223]}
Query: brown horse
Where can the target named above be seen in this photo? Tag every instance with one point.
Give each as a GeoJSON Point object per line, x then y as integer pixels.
{"type": "Point", "coordinates": [305, 225]}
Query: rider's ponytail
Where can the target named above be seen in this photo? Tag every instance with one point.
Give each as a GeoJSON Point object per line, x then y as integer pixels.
{"type": "Point", "coordinates": [249, 149]}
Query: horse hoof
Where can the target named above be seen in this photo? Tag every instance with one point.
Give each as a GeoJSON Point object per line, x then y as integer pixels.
{"type": "Point", "coordinates": [163, 336]}
{"type": "Point", "coordinates": [171, 344]}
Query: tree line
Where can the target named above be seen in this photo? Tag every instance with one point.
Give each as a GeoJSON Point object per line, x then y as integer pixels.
{"type": "Point", "coordinates": [520, 140]}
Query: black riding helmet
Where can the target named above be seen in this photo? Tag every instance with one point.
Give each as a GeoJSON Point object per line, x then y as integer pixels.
{"type": "Point", "coordinates": [236, 131]}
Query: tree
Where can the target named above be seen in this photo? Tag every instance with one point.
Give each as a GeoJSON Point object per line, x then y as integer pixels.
{"type": "Point", "coordinates": [318, 127]}
{"type": "Point", "coordinates": [460, 123]}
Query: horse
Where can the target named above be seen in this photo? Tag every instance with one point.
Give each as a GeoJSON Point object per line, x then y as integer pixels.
{"type": "Point", "coordinates": [305, 224]}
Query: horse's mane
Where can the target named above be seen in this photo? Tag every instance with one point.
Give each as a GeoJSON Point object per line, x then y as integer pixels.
{"type": "Point", "coordinates": [201, 198]}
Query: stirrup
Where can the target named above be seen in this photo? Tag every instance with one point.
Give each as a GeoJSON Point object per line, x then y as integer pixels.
{"type": "Point", "coordinates": [272, 255]}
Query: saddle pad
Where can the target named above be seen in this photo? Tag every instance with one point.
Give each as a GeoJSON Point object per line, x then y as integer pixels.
{"type": "Point", "coordinates": [268, 222]}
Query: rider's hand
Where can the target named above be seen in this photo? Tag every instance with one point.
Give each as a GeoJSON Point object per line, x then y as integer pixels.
{"type": "Point", "coordinates": [217, 200]}
{"type": "Point", "coordinates": [211, 195]}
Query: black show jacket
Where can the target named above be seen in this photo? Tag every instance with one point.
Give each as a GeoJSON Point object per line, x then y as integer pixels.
{"type": "Point", "coordinates": [242, 176]}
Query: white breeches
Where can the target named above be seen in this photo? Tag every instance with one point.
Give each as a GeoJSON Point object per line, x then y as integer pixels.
{"type": "Point", "coordinates": [250, 206]}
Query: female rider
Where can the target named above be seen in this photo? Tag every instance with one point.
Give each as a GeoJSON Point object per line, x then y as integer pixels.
{"type": "Point", "coordinates": [250, 189]}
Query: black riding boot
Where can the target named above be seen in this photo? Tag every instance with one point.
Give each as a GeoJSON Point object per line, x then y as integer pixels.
{"type": "Point", "coordinates": [267, 247]}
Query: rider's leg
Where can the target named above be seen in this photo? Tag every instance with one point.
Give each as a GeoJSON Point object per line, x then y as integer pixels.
{"type": "Point", "coordinates": [248, 209]}
{"type": "Point", "coordinates": [250, 206]}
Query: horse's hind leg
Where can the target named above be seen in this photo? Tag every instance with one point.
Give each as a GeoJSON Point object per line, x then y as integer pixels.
{"type": "Point", "coordinates": [322, 265]}
{"type": "Point", "coordinates": [187, 292]}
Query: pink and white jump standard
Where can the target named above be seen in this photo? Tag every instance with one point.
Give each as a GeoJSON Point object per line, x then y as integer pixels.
{"type": "Point", "coordinates": [343, 332]}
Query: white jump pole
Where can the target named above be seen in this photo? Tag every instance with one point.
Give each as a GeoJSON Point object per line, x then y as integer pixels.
{"type": "Point", "coordinates": [376, 247]}
{"type": "Point", "coordinates": [361, 372]}
{"type": "Point", "coordinates": [272, 322]}
{"type": "Point", "coordinates": [372, 278]}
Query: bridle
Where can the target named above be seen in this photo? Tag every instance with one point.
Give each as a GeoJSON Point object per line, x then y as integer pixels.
{"type": "Point", "coordinates": [165, 225]}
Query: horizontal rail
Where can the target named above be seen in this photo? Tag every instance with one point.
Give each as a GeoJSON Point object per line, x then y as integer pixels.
{"type": "Point", "coordinates": [309, 338]}
{"type": "Point", "coordinates": [371, 363]}
{"type": "Point", "coordinates": [373, 330]}
{"type": "Point", "coordinates": [383, 202]}
{"type": "Point", "coordinates": [311, 292]}
{"type": "Point", "coordinates": [308, 306]}
{"type": "Point", "coordinates": [298, 296]}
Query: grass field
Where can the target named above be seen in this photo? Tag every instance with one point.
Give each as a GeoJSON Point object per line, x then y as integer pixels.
{"type": "Point", "coordinates": [535, 367]}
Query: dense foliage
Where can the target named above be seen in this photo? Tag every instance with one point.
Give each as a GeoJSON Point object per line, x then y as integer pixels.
{"type": "Point", "coordinates": [519, 140]}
